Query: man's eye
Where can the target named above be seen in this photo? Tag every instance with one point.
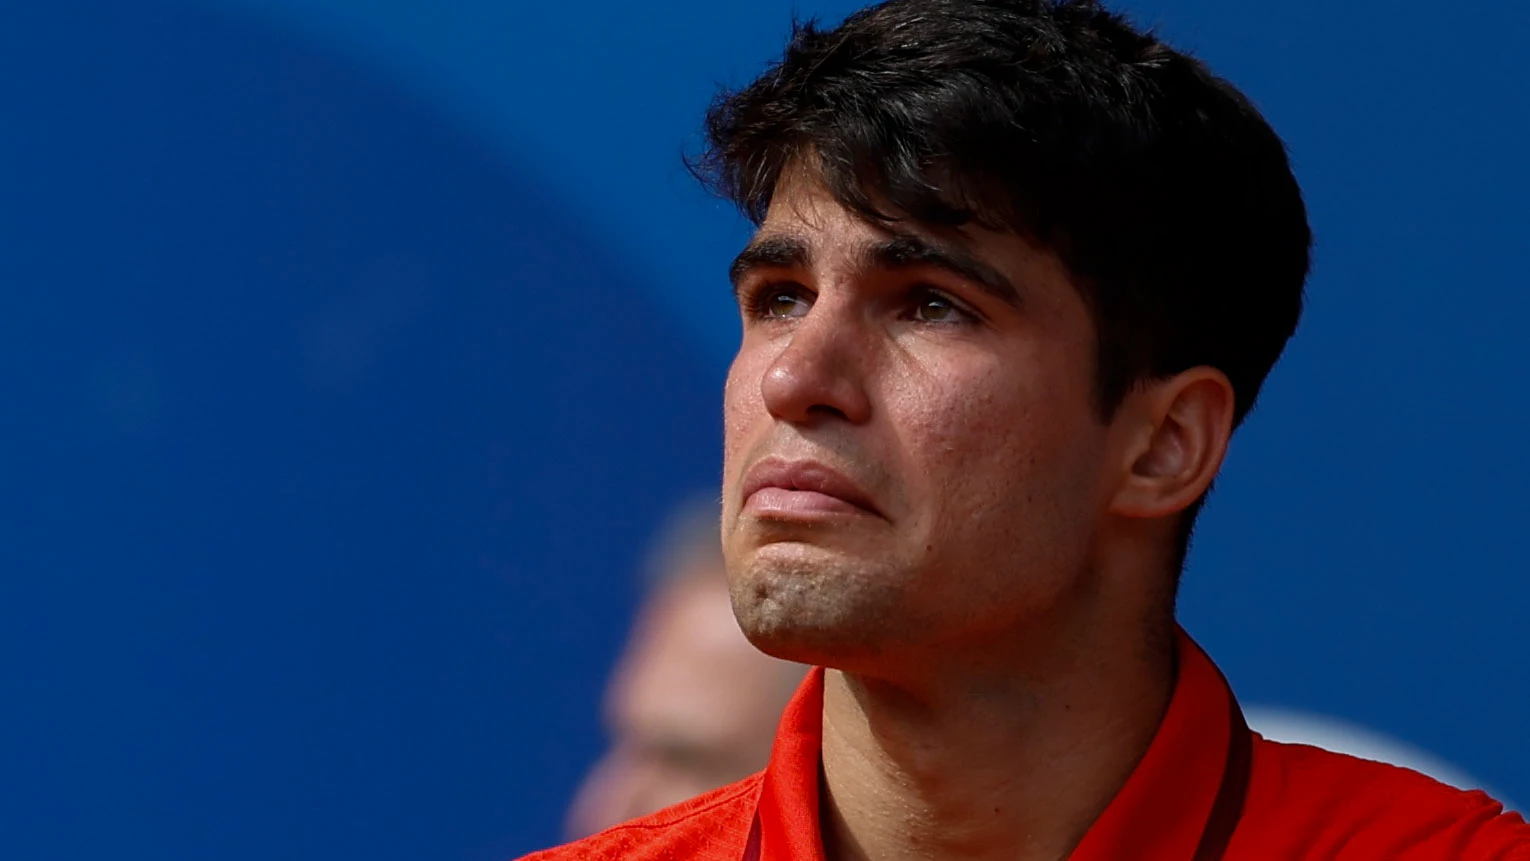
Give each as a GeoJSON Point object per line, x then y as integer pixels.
{"type": "Point", "coordinates": [782, 303]}
{"type": "Point", "coordinates": [934, 308]}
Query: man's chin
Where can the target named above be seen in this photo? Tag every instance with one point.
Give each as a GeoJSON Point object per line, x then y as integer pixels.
{"type": "Point", "coordinates": [819, 645]}
{"type": "Point", "coordinates": [811, 604]}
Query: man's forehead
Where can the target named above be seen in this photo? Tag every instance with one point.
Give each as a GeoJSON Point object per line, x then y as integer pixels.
{"type": "Point", "coordinates": [803, 207]}
{"type": "Point", "coordinates": [804, 201]}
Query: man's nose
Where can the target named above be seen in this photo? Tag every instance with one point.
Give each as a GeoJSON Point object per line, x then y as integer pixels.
{"type": "Point", "coordinates": [820, 373]}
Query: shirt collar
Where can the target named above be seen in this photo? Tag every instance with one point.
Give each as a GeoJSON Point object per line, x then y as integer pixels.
{"type": "Point", "coordinates": [1179, 803]}
{"type": "Point", "coordinates": [787, 815]}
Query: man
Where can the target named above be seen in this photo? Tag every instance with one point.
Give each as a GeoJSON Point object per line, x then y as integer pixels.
{"type": "Point", "coordinates": [1020, 271]}
{"type": "Point", "coordinates": [691, 705]}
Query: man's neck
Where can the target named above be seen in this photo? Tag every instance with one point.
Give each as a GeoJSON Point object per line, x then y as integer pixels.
{"type": "Point", "coordinates": [1014, 760]}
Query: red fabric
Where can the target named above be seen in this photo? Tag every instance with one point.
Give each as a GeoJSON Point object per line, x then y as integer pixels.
{"type": "Point", "coordinates": [1297, 802]}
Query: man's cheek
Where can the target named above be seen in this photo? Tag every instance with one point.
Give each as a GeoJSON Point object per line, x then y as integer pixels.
{"type": "Point", "coordinates": [733, 413]}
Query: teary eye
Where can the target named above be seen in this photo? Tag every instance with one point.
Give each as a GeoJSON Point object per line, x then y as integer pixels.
{"type": "Point", "coordinates": [782, 302]}
{"type": "Point", "coordinates": [935, 310]}
{"type": "Point", "coordinates": [932, 307]}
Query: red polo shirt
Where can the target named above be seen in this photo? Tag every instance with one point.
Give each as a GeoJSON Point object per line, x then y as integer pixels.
{"type": "Point", "coordinates": [1207, 789]}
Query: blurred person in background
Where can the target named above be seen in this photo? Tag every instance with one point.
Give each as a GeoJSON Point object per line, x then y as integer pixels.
{"type": "Point", "coordinates": [691, 705]}
{"type": "Point", "coordinates": [1020, 270]}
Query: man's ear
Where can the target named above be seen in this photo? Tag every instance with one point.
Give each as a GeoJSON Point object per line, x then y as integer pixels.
{"type": "Point", "coordinates": [1179, 432]}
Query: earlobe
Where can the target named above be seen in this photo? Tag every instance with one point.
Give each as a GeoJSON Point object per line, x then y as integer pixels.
{"type": "Point", "coordinates": [1182, 439]}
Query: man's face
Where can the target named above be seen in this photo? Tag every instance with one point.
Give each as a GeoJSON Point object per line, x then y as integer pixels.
{"type": "Point", "coordinates": [913, 459]}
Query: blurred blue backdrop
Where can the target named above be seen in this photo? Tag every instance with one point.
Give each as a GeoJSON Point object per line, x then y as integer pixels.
{"type": "Point", "coordinates": [352, 348]}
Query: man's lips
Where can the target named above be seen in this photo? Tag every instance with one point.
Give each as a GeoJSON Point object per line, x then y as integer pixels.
{"type": "Point", "coordinates": [802, 488]}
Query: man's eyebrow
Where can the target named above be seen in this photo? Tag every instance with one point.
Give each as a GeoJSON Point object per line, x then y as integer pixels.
{"type": "Point", "coordinates": [902, 251]}
{"type": "Point", "coordinates": [775, 252]}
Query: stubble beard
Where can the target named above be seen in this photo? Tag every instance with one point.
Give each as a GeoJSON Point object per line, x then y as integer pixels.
{"type": "Point", "coordinates": [804, 603]}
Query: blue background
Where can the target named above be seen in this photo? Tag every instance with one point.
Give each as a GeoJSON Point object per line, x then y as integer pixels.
{"type": "Point", "coordinates": [352, 348]}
